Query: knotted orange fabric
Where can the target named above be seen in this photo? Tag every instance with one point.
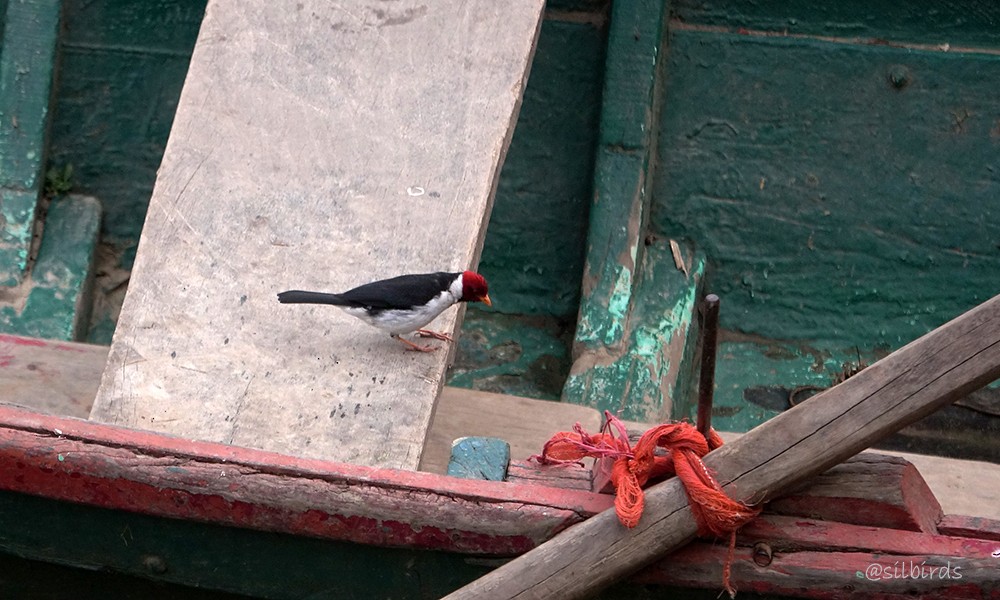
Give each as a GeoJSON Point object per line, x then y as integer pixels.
{"type": "Point", "coordinates": [716, 514]}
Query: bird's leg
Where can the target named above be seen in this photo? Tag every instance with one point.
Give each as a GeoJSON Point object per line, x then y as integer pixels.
{"type": "Point", "coordinates": [435, 334]}
{"type": "Point", "coordinates": [415, 347]}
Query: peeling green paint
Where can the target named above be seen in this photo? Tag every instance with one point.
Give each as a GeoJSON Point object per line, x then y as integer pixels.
{"type": "Point", "coordinates": [650, 371]}
{"type": "Point", "coordinates": [28, 53]}
{"type": "Point", "coordinates": [612, 247]}
{"type": "Point", "coordinates": [56, 297]}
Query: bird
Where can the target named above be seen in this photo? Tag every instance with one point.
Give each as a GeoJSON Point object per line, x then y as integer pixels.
{"type": "Point", "coordinates": [402, 304]}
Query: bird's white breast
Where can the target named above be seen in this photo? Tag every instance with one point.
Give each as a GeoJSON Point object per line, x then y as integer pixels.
{"type": "Point", "coordinates": [405, 321]}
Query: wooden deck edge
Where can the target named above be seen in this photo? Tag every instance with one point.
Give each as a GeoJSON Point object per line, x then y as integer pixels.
{"type": "Point", "coordinates": [100, 465]}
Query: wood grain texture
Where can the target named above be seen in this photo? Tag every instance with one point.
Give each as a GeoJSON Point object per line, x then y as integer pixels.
{"type": "Point", "coordinates": [868, 489]}
{"type": "Point", "coordinates": [53, 377]}
{"type": "Point", "coordinates": [827, 561]}
{"type": "Point", "coordinates": [155, 474]}
{"type": "Point", "coordinates": [938, 368]}
{"type": "Point", "coordinates": [313, 148]}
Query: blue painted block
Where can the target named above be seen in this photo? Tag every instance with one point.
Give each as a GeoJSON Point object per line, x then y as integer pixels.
{"type": "Point", "coordinates": [479, 458]}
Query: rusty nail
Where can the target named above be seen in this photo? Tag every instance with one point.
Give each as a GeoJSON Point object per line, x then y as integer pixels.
{"type": "Point", "coordinates": [709, 343]}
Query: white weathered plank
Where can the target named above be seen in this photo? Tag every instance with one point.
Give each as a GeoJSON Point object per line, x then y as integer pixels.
{"type": "Point", "coordinates": [316, 146]}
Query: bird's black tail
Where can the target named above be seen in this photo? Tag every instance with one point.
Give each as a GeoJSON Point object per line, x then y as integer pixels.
{"type": "Point", "coordinates": [300, 297]}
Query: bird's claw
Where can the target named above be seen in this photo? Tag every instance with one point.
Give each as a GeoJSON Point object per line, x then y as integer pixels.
{"type": "Point", "coordinates": [415, 347]}
{"type": "Point", "coordinates": [435, 334]}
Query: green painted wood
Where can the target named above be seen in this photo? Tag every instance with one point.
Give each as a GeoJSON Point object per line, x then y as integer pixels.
{"type": "Point", "coordinates": [520, 355]}
{"type": "Point", "coordinates": [846, 197]}
{"type": "Point", "coordinates": [253, 563]}
{"type": "Point", "coordinates": [925, 22]}
{"type": "Point", "coordinates": [55, 302]}
{"type": "Point", "coordinates": [123, 66]}
{"type": "Point", "coordinates": [617, 211]}
{"type": "Point", "coordinates": [651, 378]}
{"type": "Point", "coordinates": [479, 458]}
{"type": "Point", "coordinates": [89, 554]}
{"type": "Point", "coordinates": [27, 69]}
{"type": "Point", "coordinates": [37, 580]}
{"type": "Point", "coordinates": [633, 337]}
{"type": "Point", "coordinates": [834, 205]}
{"type": "Point", "coordinates": [533, 252]}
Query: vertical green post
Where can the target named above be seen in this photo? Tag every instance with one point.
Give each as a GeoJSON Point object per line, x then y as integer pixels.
{"type": "Point", "coordinates": [27, 71]}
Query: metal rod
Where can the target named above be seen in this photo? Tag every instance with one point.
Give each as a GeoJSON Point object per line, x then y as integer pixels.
{"type": "Point", "coordinates": [709, 343]}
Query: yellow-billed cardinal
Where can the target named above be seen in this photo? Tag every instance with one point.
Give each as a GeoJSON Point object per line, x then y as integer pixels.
{"type": "Point", "coordinates": [402, 304]}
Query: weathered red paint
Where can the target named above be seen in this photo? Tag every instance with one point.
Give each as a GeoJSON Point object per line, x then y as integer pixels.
{"type": "Point", "coordinates": [17, 340]}
{"type": "Point", "coordinates": [91, 463]}
{"type": "Point", "coordinates": [980, 527]}
{"type": "Point", "coordinates": [825, 560]}
{"type": "Point", "coordinates": [795, 533]}
{"type": "Point", "coordinates": [80, 461]}
{"type": "Point", "coordinates": [828, 575]}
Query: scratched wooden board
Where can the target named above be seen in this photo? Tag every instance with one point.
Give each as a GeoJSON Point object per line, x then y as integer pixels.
{"type": "Point", "coordinates": [313, 148]}
{"type": "Point", "coordinates": [50, 376]}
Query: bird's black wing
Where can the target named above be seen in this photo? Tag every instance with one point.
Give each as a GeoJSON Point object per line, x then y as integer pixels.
{"type": "Point", "coordinates": [403, 292]}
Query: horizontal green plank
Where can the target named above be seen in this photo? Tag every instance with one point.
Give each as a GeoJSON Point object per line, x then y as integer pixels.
{"type": "Point", "coordinates": [844, 195]}
{"type": "Point", "coordinates": [254, 563]}
{"type": "Point", "coordinates": [954, 22]}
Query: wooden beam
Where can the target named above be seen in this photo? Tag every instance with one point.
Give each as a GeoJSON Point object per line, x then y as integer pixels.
{"type": "Point", "coordinates": [826, 561]}
{"type": "Point", "coordinates": [868, 489]}
{"type": "Point", "coordinates": [122, 469]}
{"type": "Point", "coordinates": [936, 369]}
{"type": "Point", "coordinates": [314, 147]}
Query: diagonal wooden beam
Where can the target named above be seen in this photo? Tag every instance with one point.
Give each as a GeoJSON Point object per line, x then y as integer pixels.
{"type": "Point", "coordinates": [940, 367]}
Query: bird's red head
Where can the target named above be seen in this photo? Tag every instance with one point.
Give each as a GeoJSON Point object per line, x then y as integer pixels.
{"type": "Point", "coordinates": [474, 288]}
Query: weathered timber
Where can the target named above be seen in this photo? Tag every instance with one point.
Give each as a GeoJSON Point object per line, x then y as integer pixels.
{"type": "Point", "coordinates": [940, 367]}
{"type": "Point", "coordinates": [314, 148]}
{"type": "Point", "coordinates": [575, 476]}
{"type": "Point", "coordinates": [965, 526]}
{"type": "Point", "coordinates": [91, 463]}
{"type": "Point", "coordinates": [53, 377]}
{"type": "Point", "coordinates": [868, 489]}
{"type": "Point", "coordinates": [815, 559]}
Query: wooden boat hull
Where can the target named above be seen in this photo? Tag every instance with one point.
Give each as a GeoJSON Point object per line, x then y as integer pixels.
{"type": "Point", "coordinates": [265, 525]}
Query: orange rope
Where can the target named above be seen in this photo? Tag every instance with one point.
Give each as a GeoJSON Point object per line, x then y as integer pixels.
{"type": "Point", "coordinates": [716, 514]}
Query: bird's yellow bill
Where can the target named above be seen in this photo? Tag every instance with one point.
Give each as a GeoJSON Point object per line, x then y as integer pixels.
{"type": "Point", "coordinates": [486, 300]}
